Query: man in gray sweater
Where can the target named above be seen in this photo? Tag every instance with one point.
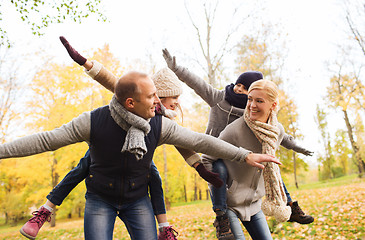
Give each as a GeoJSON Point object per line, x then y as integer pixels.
{"type": "Point", "coordinates": [122, 137]}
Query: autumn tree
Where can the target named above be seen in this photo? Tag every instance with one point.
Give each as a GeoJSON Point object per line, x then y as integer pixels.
{"type": "Point", "coordinates": [326, 159]}
{"type": "Point", "coordinates": [39, 14]}
{"type": "Point", "coordinates": [215, 43]}
{"type": "Point", "coordinates": [355, 19]}
{"type": "Point", "coordinates": [342, 94]}
{"type": "Point", "coordinates": [57, 94]}
{"type": "Point", "coordinates": [12, 87]}
{"type": "Point", "coordinates": [342, 154]}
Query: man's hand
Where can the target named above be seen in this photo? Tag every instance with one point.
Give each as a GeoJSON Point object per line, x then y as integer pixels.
{"type": "Point", "coordinates": [255, 159]}
{"type": "Point", "coordinates": [72, 52]}
{"type": "Point", "coordinates": [171, 61]}
{"type": "Point", "coordinates": [209, 176]}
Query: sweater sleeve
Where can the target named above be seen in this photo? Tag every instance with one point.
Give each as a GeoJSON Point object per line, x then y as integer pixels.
{"type": "Point", "coordinates": [172, 133]}
{"type": "Point", "coordinates": [102, 75]}
{"type": "Point", "coordinates": [206, 91]}
{"type": "Point", "coordinates": [289, 143]}
{"type": "Point", "coordinates": [190, 156]}
{"type": "Point", "coordinates": [77, 130]}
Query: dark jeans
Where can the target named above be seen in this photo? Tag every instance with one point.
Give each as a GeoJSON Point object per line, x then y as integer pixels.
{"type": "Point", "coordinates": [219, 195]}
{"type": "Point", "coordinates": [156, 191]}
{"type": "Point", "coordinates": [70, 181]}
{"type": "Point", "coordinates": [80, 172]}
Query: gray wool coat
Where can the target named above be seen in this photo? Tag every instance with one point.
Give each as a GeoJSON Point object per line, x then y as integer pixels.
{"type": "Point", "coordinates": [245, 183]}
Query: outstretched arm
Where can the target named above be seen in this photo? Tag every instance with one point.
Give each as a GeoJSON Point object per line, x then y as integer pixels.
{"type": "Point", "coordinates": [78, 130]}
{"type": "Point", "coordinates": [92, 68]}
{"type": "Point", "coordinates": [174, 134]}
{"type": "Point", "coordinates": [207, 92]}
{"type": "Point", "coordinates": [289, 143]}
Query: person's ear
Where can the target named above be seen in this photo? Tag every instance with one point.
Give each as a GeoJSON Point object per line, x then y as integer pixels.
{"type": "Point", "coordinates": [274, 105]}
{"type": "Point", "coordinates": [129, 103]}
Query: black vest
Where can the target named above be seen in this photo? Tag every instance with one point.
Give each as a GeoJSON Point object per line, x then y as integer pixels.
{"type": "Point", "coordinates": [118, 177]}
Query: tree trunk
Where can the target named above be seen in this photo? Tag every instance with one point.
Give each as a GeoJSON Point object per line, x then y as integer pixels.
{"type": "Point", "coordinates": [359, 161]}
{"type": "Point", "coordinates": [55, 178]}
{"type": "Point", "coordinates": [295, 169]}
{"type": "Point", "coordinates": [185, 195]}
{"type": "Point", "coordinates": [195, 189]}
{"type": "Point", "coordinates": [166, 189]}
{"type": "Point", "coordinates": [53, 217]}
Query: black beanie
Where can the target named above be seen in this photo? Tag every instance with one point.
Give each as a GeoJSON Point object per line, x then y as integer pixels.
{"type": "Point", "coordinates": [247, 78]}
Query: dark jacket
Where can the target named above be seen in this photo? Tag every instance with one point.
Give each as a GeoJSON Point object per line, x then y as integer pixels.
{"type": "Point", "coordinates": [118, 177]}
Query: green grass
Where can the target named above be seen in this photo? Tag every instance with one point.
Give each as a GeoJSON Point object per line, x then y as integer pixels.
{"type": "Point", "coordinates": [337, 206]}
{"type": "Point", "coordinates": [329, 183]}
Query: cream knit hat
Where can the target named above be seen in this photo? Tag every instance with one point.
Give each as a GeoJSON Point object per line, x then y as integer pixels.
{"type": "Point", "coordinates": [167, 83]}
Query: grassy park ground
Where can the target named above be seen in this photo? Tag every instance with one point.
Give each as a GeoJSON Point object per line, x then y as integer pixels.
{"type": "Point", "coordinates": [338, 207]}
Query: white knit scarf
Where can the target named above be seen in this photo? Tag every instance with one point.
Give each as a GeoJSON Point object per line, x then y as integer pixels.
{"type": "Point", "coordinates": [137, 128]}
{"type": "Point", "coordinates": [275, 200]}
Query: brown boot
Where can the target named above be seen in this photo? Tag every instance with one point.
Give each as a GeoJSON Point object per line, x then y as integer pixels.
{"type": "Point", "coordinates": [297, 215]}
{"type": "Point", "coordinates": [223, 228]}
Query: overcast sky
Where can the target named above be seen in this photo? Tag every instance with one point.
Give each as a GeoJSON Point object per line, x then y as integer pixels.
{"type": "Point", "coordinates": [142, 27]}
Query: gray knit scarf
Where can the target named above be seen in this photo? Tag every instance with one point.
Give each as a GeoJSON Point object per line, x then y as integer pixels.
{"type": "Point", "coordinates": [137, 128]}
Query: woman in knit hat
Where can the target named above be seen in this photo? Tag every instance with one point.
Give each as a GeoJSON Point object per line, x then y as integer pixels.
{"type": "Point", "coordinates": [227, 105]}
{"type": "Point", "coordinates": [168, 89]}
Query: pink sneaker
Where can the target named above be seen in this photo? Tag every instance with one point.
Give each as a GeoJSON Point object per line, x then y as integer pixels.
{"type": "Point", "coordinates": [30, 229]}
{"type": "Point", "coordinates": [168, 234]}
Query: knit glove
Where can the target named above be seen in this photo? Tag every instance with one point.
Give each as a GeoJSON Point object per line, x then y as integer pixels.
{"type": "Point", "coordinates": [171, 61]}
{"type": "Point", "coordinates": [303, 151]}
{"type": "Point", "coordinates": [210, 177]}
{"type": "Point", "coordinates": [72, 52]}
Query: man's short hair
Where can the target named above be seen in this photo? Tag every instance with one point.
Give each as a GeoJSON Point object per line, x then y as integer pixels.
{"type": "Point", "coordinates": [127, 87]}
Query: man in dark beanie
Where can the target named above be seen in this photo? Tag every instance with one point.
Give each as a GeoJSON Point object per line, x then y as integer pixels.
{"type": "Point", "coordinates": [226, 106]}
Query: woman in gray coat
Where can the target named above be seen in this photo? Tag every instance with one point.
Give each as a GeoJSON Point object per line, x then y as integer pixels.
{"type": "Point", "coordinates": [259, 131]}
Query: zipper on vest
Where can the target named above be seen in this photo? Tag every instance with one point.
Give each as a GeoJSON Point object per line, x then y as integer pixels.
{"type": "Point", "coordinates": [122, 178]}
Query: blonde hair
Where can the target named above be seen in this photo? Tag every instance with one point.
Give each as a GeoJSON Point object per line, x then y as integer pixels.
{"type": "Point", "coordinates": [269, 87]}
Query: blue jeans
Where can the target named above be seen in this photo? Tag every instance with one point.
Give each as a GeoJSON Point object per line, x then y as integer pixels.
{"type": "Point", "coordinates": [219, 195]}
{"type": "Point", "coordinates": [288, 197]}
{"type": "Point", "coordinates": [99, 218]}
{"type": "Point", "coordinates": [257, 227]}
{"type": "Point", "coordinates": [156, 191]}
{"type": "Point", "coordinates": [80, 172]}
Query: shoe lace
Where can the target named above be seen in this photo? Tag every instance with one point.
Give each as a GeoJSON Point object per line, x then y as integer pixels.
{"type": "Point", "coordinates": [298, 210]}
{"type": "Point", "coordinates": [224, 225]}
{"type": "Point", "coordinates": [40, 217]}
{"type": "Point", "coordinates": [170, 233]}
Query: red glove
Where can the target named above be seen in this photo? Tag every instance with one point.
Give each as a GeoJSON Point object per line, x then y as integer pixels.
{"type": "Point", "coordinates": [209, 176]}
{"type": "Point", "coordinates": [72, 52]}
